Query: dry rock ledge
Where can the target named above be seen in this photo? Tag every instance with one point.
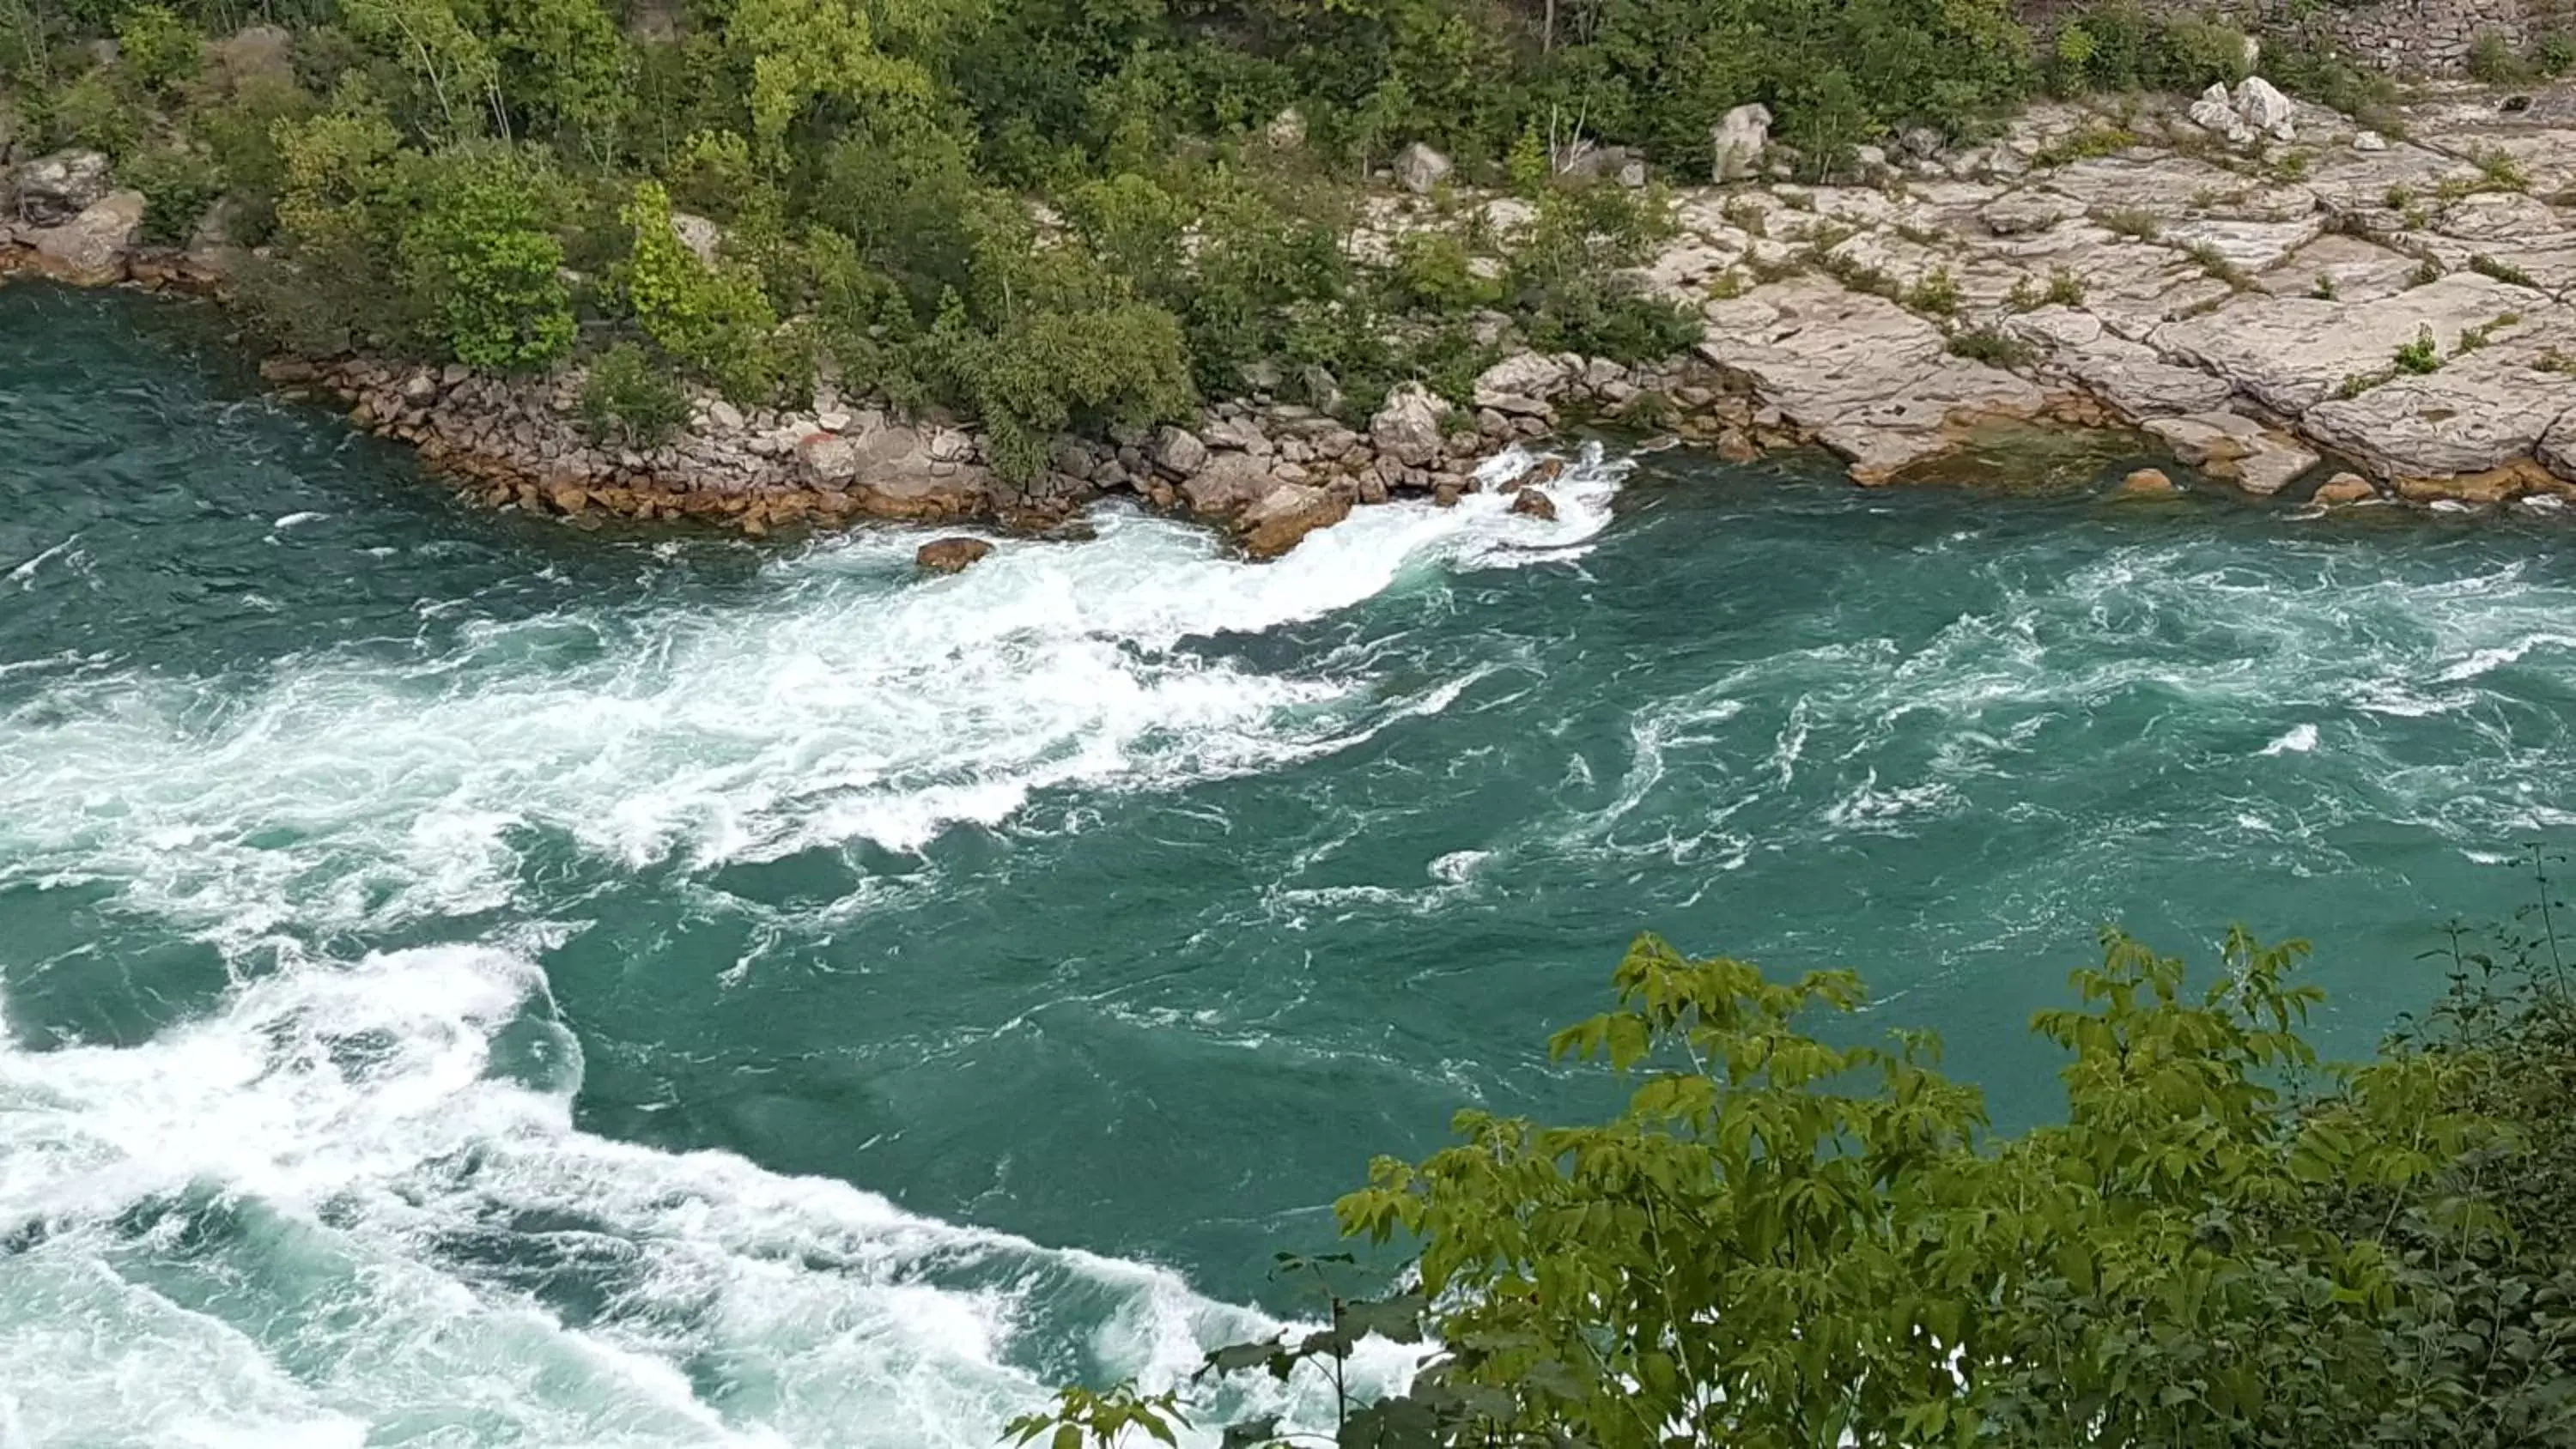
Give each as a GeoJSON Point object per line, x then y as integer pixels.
{"type": "Point", "coordinates": [2234, 275]}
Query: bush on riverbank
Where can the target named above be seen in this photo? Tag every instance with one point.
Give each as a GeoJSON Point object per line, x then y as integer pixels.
{"type": "Point", "coordinates": [458, 179]}
{"type": "Point", "coordinates": [1790, 1238]}
{"type": "Point", "coordinates": [463, 179]}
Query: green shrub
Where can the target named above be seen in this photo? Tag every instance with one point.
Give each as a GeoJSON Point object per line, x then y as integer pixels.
{"type": "Point", "coordinates": [1936, 293]}
{"type": "Point", "coordinates": [2502, 271]}
{"type": "Point", "coordinates": [158, 48]}
{"type": "Point", "coordinates": [716, 320]}
{"type": "Point", "coordinates": [241, 134]}
{"type": "Point", "coordinates": [2556, 54]}
{"type": "Point", "coordinates": [627, 401]}
{"type": "Point", "coordinates": [178, 185]}
{"type": "Point", "coordinates": [2423, 355]}
{"type": "Point", "coordinates": [1992, 346]}
{"type": "Point", "coordinates": [2492, 59]}
{"type": "Point", "coordinates": [2134, 222]}
{"type": "Point", "coordinates": [98, 112]}
{"type": "Point", "coordinates": [1434, 273]}
{"type": "Point", "coordinates": [478, 258]}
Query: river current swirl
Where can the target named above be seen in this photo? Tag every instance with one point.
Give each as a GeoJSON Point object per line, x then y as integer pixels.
{"type": "Point", "coordinates": [469, 981]}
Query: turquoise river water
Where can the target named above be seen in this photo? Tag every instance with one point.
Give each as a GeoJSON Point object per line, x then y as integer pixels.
{"type": "Point", "coordinates": [468, 981]}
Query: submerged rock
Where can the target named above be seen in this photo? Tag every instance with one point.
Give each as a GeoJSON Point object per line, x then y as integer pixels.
{"type": "Point", "coordinates": [2345, 488]}
{"type": "Point", "coordinates": [2228, 446]}
{"type": "Point", "coordinates": [1534, 504]}
{"type": "Point", "coordinates": [2148, 483]}
{"type": "Point", "coordinates": [950, 555]}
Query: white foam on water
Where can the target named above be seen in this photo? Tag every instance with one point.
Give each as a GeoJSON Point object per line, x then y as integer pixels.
{"type": "Point", "coordinates": [329, 1214]}
{"type": "Point", "coordinates": [844, 699]}
{"type": "Point", "coordinates": [2299, 741]}
{"type": "Point", "coordinates": [27, 570]}
{"type": "Point", "coordinates": [350, 1205]}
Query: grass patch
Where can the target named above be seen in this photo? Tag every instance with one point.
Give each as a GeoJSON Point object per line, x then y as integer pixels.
{"type": "Point", "coordinates": [2487, 266]}
{"type": "Point", "coordinates": [2216, 264]}
{"type": "Point", "coordinates": [1936, 293]}
{"type": "Point", "coordinates": [1992, 346]}
{"type": "Point", "coordinates": [2421, 356]}
{"type": "Point", "coordinates": [2134, 222]}
{"type": "Point", "coordinates": [2097, 139]}
{"type": "Point", "coordinates": [2473, 338]}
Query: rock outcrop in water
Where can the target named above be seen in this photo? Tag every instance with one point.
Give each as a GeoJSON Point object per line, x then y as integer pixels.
{"type": "Point", "coordinates": [2398, 306]}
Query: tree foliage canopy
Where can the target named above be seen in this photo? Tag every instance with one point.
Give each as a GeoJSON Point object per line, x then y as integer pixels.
{"type": "Point", "coordinates": [1796, 1236]}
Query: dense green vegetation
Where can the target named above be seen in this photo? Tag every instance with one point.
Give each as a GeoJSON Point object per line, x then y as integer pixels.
{"type": "Point", "coordinates": [1041, 213]}
{"type": "Point", "coordinates": [1795, 1236]}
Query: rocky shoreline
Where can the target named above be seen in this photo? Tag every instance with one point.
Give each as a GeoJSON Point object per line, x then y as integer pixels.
{"type": "Point", "coordinates": [2285, 302]}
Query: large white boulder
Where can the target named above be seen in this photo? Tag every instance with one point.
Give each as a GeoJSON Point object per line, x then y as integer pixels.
{"type": "Point", "coordinates": [1407, 428]}
{"type": "Point", "coordinates": [1419, 168]}
{"type": "Point", "coordinates": [1738, 141]}
{"type": "Point", "coordinates": [2263, 107]}
{"type": "Point", "coordinates": [53, 189]}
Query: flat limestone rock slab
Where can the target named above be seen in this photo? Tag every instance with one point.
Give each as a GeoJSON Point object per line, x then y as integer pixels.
{"type": "Point", "coordinates": [1861, 374]}
{"type": "Point", "coordinates": [2487, 410]}
{"type": "Point", "coordinates": [2356, 268]}
{"type": "Point", "coordinates": [2292, 353]}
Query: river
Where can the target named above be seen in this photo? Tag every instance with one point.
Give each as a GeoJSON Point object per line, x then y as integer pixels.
{"type": "Point", "coordinates": [469, 981]}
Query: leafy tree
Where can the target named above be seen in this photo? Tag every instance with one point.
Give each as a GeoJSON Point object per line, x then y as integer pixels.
{"type": "Point", "coordinates": [432, 42]}
{"type": "Point", "coordinates": [1790, 1240]}
{"type": "Point", "coordinates": [802, 51]}
{"type": "Point", "coordinates": [628, 401]}
{"type": "Point", "coordinates": [715, 319]}
{"type": "Point", "coordinates": [478, 257]}
{"type": "Point", "coordinates": [157, 47]}
{"type": "Point", "coordinates": [562, 63]}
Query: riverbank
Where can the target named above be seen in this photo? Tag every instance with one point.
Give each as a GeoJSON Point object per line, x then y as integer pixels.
{"type": "Point", "coordinates": [2287, 303]}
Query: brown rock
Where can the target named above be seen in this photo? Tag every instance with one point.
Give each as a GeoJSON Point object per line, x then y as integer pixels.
{"type": "Point", "coordinates": [1228, 486]}
{"type": "Point", "coordinates": [1734, 445]}
{"type": "Point", "coordinates": [1535, 504]}
{"type": "Point", "coordinates": [1286, 514]}
{"type": "Point", "coordinates": [1546, 470]}
{"type": "Point", "coordinates": [2345, 488]}
{"type": "Point", "coordinates": [2148, 483]}
{"type": "Point", "coordinates": [93, 248]}
{"type": "Point", "coordinates": [1446, 494]}
{"type": "Point", "coordinates": [570, 497]}
{"type": "Point", "coordinates": [950, 555]}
